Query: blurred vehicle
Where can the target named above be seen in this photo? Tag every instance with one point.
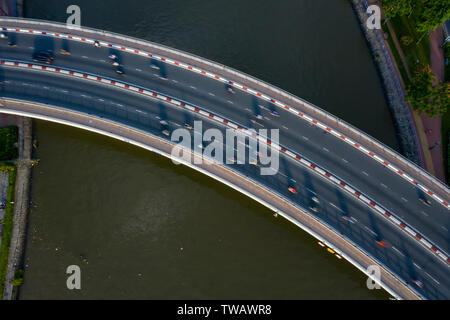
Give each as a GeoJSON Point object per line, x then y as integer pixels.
{"type": "Point", "coordinates": [425, 202]}
{"type": "Point", "coordinates": [230, 90]}
{"type": "Point", "coordinates": [274, 113]}
{"type": "Point", "coordinates": [314, 209]}
{"type": "Point", "coordinates": [418, 283]}
{"type": "Point", "coordinates": [3, 36]}
{"type": "Point", "coordinates": [188, 126]}
{"type": "Point", "coordinates": [166, 132]}
{"type": "Point", "coordinates": [65, 52]}
{"type": "Point", "coordinates": [97, 44]}
{"type": "Point", "coordinates": [46, 56]}
{"type": "Point", "coordinates": [154, 66]}
{"type": "Point", "coordinates": [119, 70]}
{"type": "Point", "coordinates": [349, 219]}
{"type": "Point", "coordinates": [292, 190]}
{"type": "Point", "coordinates": [382, 243]}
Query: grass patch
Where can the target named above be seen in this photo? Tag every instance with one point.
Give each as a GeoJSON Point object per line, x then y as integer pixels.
{"type": "Point", "coordinates": [8, 143]}
{"type": "Point", "coordinates": [445, 125]}
{"type": "Point", "coordinates": [406, 26]}
{"type": "Point", "coordinates": [7, 224]}
{"type": "Point", "coordinates": [398, 60]}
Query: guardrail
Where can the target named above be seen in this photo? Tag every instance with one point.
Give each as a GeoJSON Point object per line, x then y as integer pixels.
{"type": "Point", "coordinates": [380, 210]}
{"type": "Point", "coordinates": [341, 251]}
{"type": "Point", "coordinates": [333, 121]}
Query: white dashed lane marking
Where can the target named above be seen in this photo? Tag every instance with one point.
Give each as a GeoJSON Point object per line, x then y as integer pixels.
{"type": "Point", "coordinates": [432, 277]}
{"type": "Point", "coordinates": [398, 251]}
{"type": "Point", "coordinates": [335, 206]}
{"type": "Point", "coordinates": [370, 230]}
{"type": "Point", "coordinates": [365, 173]}
{"type": "Point", "coordinates": [404, 199]}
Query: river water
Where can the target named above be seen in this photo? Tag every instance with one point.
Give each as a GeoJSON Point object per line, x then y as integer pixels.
{"type": "Point", "coordinates": [150, 229]}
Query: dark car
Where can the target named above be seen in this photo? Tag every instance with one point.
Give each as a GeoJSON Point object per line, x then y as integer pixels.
{"type": "Point", "coordinates": [44, 56]}
{"type": "Point", "coordinates": [119, 70]}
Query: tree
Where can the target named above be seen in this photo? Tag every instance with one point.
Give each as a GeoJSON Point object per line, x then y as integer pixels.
{"type": "Point", "coordinates": [432, 100]}
{"type": "Point", "coordinates": [393, 8]}
{"type": "Point", "coordinates": [433, 13]}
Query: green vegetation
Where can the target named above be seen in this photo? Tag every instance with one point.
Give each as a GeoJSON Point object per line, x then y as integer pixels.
{"type": "Point", "coordinates": [7, 223]}
{"type": "Point", "coordinates": [8, 141]}
{"type": "Point", "coordinates": [429, 14]}
{"type": "Point", "coordinates": [416, 52]}
{"type": "Point", "coordinates": [425, 97]}
{"type": "Point", "coordinates": [18, 278]}
{"type": "Point", "coordinates": [445, 128]}
{"type": "Point", "coordinates": [393, 8]}
{"type": "Point", "coordinates": [412, 21]}
{"type": "Point", "coordinates": [433, 13]}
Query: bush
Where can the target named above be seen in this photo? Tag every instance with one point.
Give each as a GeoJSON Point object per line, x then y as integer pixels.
{"type": "Point", "coordinates": [8, 143]}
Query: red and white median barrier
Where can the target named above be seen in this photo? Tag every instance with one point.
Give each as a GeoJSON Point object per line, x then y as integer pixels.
{"type": "Point", "coordinates": [298, 158]}
{"type": "Point", "coordinates": [277, 103]}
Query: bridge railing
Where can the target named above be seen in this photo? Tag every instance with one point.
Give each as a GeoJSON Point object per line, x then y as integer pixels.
{"type": "Point", "coordinates": [12, 104]}
{"type": "Point", "coordinates": [227, 72]}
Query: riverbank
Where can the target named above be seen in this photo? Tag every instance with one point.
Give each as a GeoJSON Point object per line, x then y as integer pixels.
{"type": "Point", "coordinates": [21, 206]}
{"type": "Point", "coordinates": [7, 181]}
{"type": "Point", "coordinates": [22, 174]}
{"type": "Point", "coordinates": [407, 131]}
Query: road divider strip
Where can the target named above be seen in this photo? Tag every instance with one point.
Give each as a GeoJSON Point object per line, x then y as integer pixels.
{"type": "Point", "coordinates": [234, 84]}
{"type": "Point", "coordinates": [296, 157]}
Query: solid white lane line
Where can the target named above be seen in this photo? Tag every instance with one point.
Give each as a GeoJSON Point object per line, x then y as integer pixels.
{"type": "Point", "coordinates": [432, 277]}
{"type": "Point", "coordinates": [398, 251]}
{"type": "Point", "coordinates": [335, 206]}
{"type": "Point", "coordinates": [370, 230]}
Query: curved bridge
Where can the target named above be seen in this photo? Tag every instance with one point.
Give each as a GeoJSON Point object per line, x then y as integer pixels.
{"type": "Point", "coordinates": [363, 200]}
